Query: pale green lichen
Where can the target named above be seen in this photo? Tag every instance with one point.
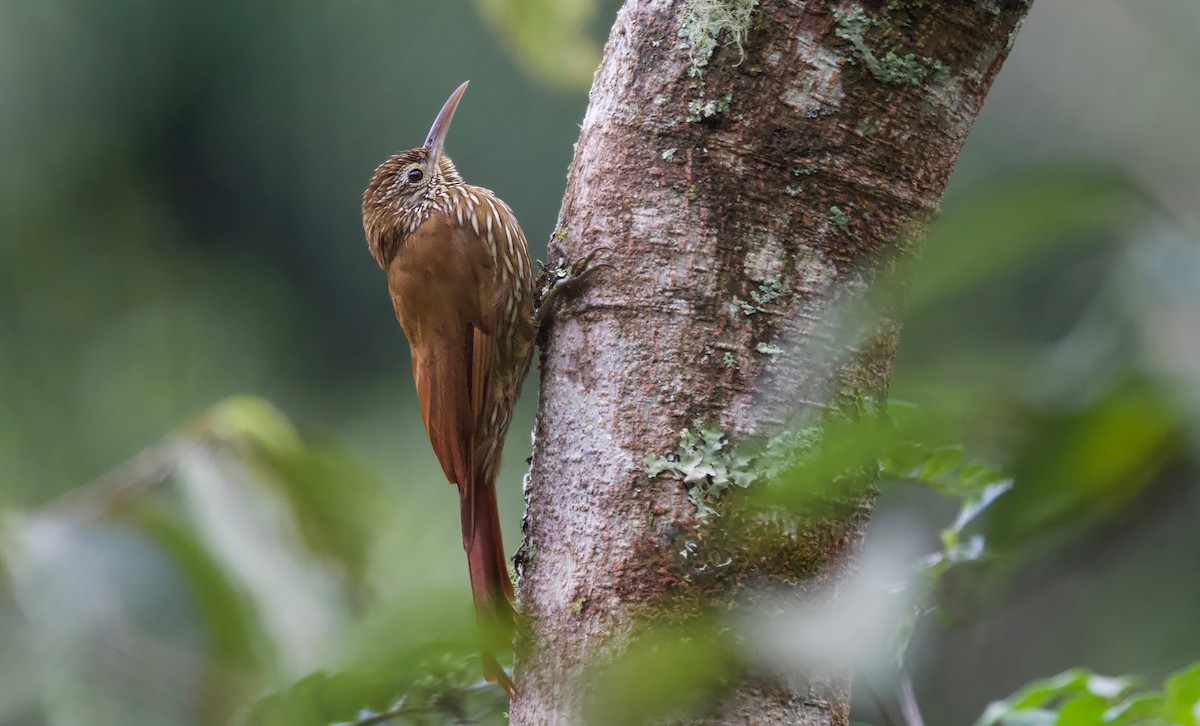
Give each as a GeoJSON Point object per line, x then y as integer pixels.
{"type": "Point", "coordinates": [840, 218]}
{"type": "Point", "coordinates": [768, 349]}
{"type": "Point", "coordinates": [710, 464]}
{"type": "Point", "coordinates": [891, 67]}
{"type": "Point", "coordinates": [669, 154]}
{"type": "Point", "coordinates": [867, 126]}
{"type": "Point", "coordinates": [704, 24]}
{"type": "Point", "coordinates": [703, 108]}
{"type": "Point", "coordinates": [766, 293]}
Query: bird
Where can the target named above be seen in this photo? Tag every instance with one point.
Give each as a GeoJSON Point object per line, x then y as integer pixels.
{"type": "Point", "coordinates": [462, 287]}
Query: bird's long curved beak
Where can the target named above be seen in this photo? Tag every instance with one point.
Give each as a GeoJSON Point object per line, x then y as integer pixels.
{"type": "Point", "coordinates": [436, 140]}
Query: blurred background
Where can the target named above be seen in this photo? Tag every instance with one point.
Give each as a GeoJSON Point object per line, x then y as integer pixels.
{"type": "Point", "coordinates": [180, 243]}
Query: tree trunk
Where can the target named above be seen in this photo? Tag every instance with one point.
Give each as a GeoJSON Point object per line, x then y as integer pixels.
{"type": "Point", "coordinates": [747, 188]}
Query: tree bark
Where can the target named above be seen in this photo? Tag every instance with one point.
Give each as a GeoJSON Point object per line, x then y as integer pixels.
{"type": "Point", "coordinates": [748, 191]}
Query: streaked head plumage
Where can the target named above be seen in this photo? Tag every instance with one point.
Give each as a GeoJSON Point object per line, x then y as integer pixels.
{"type": "Point", "coordinates": [403, 188]}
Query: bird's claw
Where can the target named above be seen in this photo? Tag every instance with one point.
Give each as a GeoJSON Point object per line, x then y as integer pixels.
{"type": "Point", "coordinates": [561, 278]}
{"type": "Point", "coordinates": [589, 264]}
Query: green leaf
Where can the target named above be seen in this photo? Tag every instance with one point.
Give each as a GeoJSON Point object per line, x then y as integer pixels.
{"type": "Point", "coordinates": [334, 520]}
{"type": "Point", "coordinates": [1143, 708]}
{"type": "Point", "coordinates": [977, 474]}
{"type": "Point", "coordinates": [249, 420]}
{"type": "Point", "coordinates": [337, 505]}
{"type": "Point", "coordinates": [1081, 698]}
{"type": "Point", "coordinates": [941, 461]}
{"type": "Point", "coordinates": [905, 460]}
{"type": "Point", "coordinates": [1025, 706]}
{"type": "Point", "coordinates": [1040, 692]}
{"type": "Point", "coordinates": [1183, 696]}
{"type": "Point", "coordinates": [1083, 710]}
{"type": "Point", "coordinates": [234, 631]}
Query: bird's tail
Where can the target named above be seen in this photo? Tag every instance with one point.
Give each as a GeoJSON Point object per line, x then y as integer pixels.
{"type": "Point", "coordinates": [491, 587]}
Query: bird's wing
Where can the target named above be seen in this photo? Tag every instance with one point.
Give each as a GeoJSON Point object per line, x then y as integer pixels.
{"type": "Point", "coordinates": [450, 295]}
{"type": "Point", "coordinates": [444, 290]}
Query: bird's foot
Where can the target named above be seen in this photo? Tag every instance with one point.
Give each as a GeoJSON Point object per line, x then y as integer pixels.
{"type": "Point", "coordinates": [561, 278]}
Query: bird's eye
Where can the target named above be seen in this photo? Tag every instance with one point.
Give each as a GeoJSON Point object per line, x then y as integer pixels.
{"type": "Point", "coordinates": [414, 175]}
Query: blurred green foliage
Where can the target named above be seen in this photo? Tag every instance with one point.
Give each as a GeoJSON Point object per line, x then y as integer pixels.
{"type": "Point", "coordinates": [1082, 698]}
{"type": "Point", "coordinates": [668, 673]}
{"type": "Point", "coordinates": [179, 226]}
{"type": "Point", "coordinates": [549, 37]}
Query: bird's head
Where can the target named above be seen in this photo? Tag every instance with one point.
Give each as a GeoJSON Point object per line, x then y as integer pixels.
{"type": "Point", "coordinates": [402, 190]}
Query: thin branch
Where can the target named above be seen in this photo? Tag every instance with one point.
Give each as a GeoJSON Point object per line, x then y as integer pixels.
{"type": "Point", "coordinates": [397, 712]}
{"type": "Point", "coordinates": [908, 703]}
{"type": "Point", "coordinates": [400, 709]}
{"type": "Point", "coordinates": [132, 478]}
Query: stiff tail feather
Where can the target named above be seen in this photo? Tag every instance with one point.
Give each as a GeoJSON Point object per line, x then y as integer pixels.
{"type": "Point", "coordinates": [491, 588]}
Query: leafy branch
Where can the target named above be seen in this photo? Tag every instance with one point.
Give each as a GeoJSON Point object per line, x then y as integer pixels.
{"type": "Point", "coordinates": [1080, 697]}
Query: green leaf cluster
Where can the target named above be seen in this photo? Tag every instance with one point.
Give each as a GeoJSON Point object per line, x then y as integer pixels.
{"type": "Point", "coordinates": [1082, 698]}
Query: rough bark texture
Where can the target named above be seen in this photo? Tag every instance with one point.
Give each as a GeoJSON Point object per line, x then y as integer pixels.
{"type": "Point", "coordinates": [747, 208]}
